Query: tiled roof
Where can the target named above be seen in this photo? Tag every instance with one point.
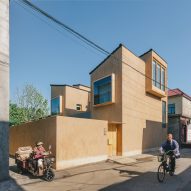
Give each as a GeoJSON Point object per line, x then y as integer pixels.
{"type": "Point", "coordinates": [178, 92]}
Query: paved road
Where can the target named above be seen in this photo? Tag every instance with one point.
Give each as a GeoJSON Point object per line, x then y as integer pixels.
{"type": "Point", "coordinates": [107, 176]}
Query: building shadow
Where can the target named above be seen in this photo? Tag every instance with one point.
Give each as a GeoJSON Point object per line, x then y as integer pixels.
{"type": "Point", "coordinates": [153, 135]}
{"type": "Point", "coordinates": [10, 185]}
{"type": "Point", "coordinates": [147, 181]}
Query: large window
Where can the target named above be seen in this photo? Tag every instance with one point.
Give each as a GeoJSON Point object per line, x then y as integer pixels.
{"type": "Point", "coordinates": [103, 90]}
{"type": "Point", "coordinates": [55, 106]}
{"type": "Point", "coordinates": [154, 73]}
{"type": "Point", "coordinates": [158, 76]}
{"type": "Point", "coordinates": [171, 108]}
{"type": "Point", "coordinates": [158, 72]}
{"type": "Point", "coordinates": [163, 114]}
{"type": "Point", "coordinates": [163, 79]}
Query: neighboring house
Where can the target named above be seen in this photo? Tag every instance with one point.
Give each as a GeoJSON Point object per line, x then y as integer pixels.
{"type": "Point", "coordinates": [124, 114]}
{"type": "Point", "coordinates": [179, 115]}
{"type": "Point", "coordinates": [73, 101]}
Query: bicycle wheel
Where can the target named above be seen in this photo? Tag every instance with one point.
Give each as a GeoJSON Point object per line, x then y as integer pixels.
{"type": "Point", "coordinates": [161, 173]}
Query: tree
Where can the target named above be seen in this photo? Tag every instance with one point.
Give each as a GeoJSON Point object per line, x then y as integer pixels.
{"type": "Point", "coordinates": [16, 114]}
{"type": "Point", "coordinates": [30, 105]}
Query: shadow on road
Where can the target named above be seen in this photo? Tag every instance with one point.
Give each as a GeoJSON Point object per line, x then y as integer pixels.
{"type": "Point", "coordinates": [10, 185]}
{"type": "Point", "coordinates": [147, 181]}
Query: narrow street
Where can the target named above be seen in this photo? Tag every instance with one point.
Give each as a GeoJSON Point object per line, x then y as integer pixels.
{"type": "Point", "coordinates": [139, 176]}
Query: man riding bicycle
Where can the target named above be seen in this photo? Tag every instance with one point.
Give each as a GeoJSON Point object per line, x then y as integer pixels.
{"type": "Point", "coordinates": [171, 145]}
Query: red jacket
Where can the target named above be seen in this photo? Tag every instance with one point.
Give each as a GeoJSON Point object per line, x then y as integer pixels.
{"type": "Point", "coordinates": [38, 152]}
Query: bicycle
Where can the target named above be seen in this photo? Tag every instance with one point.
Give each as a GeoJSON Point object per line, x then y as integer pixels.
{"type": "Point", "coordinates": [165, 165]}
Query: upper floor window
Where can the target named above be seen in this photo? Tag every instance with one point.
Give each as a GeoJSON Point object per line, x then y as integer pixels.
{"type": "Point", "coordinates": [171, 108]}
{"type": "Point", "coordinates": [55, 106]}
{"type": "Point", "coordinates": [79, 107]}
{"type": "Point", "coordinates": [103, 90]}
{"type": "Point", "coordinates": [158, 75]}
{"type": "Point", "coordinates": [163, 114]}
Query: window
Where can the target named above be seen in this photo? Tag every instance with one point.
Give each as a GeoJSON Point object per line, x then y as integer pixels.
{"type": "Point", "coordinates": [103, 91]}
{"type": "Point", "coordinates": [158, 76]}
{"type": "Point", "coordinates": [55, 106]}
{"type": "Point", "coordinates": [78, 107]}
{"type": "Point", "coordinates": [163, 79]}
{"type": "Point", "coordinates": [154, 73]}
{"type": "Point", "coordinates": [171, 108]}
{"type": "Point", "coordinates": [163, 114]}
{"type": "Point", "coordinates": [158, 83]}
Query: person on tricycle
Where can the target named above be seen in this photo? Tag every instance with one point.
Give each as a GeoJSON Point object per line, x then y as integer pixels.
{"type": "Point", "coordinates": [39, 151]}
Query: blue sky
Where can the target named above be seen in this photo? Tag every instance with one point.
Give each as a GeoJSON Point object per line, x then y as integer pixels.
{"type": "Point", "coordinates": [42, 54]}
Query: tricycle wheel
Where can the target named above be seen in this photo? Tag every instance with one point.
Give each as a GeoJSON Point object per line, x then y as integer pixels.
{"type": "Point", "coordinates": [20, 170]}
{"type": "Point", "coordinates": [49, 175]}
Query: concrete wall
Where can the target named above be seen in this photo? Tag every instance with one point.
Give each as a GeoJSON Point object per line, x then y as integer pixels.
{"type": "Point", "coordinates": [4, 87]}
{"type": "Point", "coordinates": [177, 100]}
{"type": "Point", "coordinates": [80, 141]}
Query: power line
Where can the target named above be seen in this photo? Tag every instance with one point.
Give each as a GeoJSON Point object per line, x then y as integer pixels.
{"type": "Point", "coordinates": [85, 39]}
{"type": "Point", "coordinates": [61, 32]}
{"type": "Point", "coordinates": [69, 29]}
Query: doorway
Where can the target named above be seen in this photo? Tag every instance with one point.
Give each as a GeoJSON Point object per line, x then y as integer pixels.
{"type": "Point", "coordinates": [114, 139]}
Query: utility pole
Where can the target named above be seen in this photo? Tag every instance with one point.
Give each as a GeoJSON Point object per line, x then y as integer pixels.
{"type": "Point", "coordinates": [4, 89]}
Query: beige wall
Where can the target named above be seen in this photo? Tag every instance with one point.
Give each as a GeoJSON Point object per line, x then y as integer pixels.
{"type": "Point", "coordinates": [142, 112]}
{"type": "Point", "coordinates": [70, 97]}
{"type": "Point", "coordinates": [80, 141]}
{"type": "Point", "coordinates": [86, 88]}
{"type": "Point", "coordinates": [74, 141]}
{"type": "Point", "coordinates": [29, 133]}
{"type": "Point", "coordinates": [139, 112]}
{"type": "Point", "coordinates": [111, 112]}
{"type": "Point", "coordinates": [75, 96]}
{"type": "Point", "coordinates": [177, 100]}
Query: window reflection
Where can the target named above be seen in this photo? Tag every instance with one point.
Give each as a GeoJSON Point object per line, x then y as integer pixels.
{"type": "Point", "coordinates": [102, 91]}
{"type": "Point", "coordinates": [55, 106]}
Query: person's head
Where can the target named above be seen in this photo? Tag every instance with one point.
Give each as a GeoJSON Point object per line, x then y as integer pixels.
{"type": "Point", "coordinates": [169, 137]}
{"type": "Point", "coordinates": [39, 144]}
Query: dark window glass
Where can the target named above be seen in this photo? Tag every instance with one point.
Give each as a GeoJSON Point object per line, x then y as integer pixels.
{"type": "Point", "coordinates": [163, 114]}
{"type": "Point", "coordinates": [163, 79]}
{"type": "Point", "coordinates": [102, 91]}
{"type": "Point", "coordinates": [158, 76]}
{"type": "Point", "coordinates": [154, 73]}
{"type": "Point", "coordinates": [158, 83]}
{"type": "Point", "coordinates": [171, 108]}
{"type": "Point", "coordinates": [78, 107]}
{"type": "Point", "coordinates": [55, 106]}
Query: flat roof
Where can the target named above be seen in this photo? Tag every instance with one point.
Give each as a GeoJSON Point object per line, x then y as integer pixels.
{"type": "Point", "coordinates": [81, 85]}
{"type": "Point", "coordinates": [64, 85]}
{"type": "Point", "coordinates": [154, 52]}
